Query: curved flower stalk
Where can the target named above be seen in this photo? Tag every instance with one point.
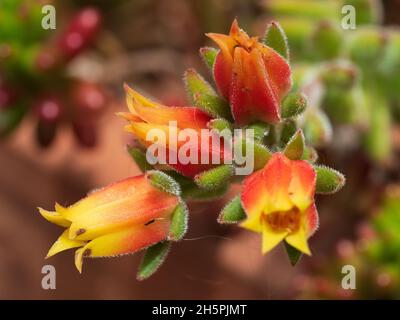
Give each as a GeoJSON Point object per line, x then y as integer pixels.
{"type": "Point", "coordinates": [277, 199]}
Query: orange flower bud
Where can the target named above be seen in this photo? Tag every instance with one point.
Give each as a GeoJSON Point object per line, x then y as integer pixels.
{"type": "Point", "coordinates": [251, 76]}
{"type": "Point", "coordinates": [146, 115]}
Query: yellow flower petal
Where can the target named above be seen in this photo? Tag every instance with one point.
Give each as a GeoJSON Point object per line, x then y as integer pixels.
{"type": "Point", "coordinates": [79, 259]}
{"type": "Point", "coordinates": [126, 241]}
{"type": "Point", "coordinates": [253, 223]}
{"type": "Point", "coordinates": [141, 129]}
{"type": "Point", "coordinates": [298, 240]}
{"type": "Point", "coordinates": [302, 185]}
{"type": "Point", "coordinates": [64, 243]}
{"type": "Point", "coordinates": [133, 97]}
{"type": "Point", "coordinates": [271, 238]}
{"type": "Point", "coordinates": [54, 217]}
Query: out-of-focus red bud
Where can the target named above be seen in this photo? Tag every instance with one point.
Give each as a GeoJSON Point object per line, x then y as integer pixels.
{"type": "Point", "coordinates": [384, 279]}
{"type": "Point", "coordinates": [49, 109]}
{"type": "Point", "coordinates": [8, 96]}
{"type": "Point", "coordinates": [345, 249]}
{"type": "Point", "coordinates": [80, 32]}
{"type": "Point", "coordinates": [48, 58]}
{"type": "Point", "coordinates": [89, 99]}
{"type": "Point", "coordinates": [45, 133]}
{"type": "Point", "coordinates": [86, 134]}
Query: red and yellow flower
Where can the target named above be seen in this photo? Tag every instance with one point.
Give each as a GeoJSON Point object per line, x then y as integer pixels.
{"type": "Point", "coordinates": [146, 115]}
{"type": "Point", "coordinates": [121, 218]}
{"type": "Point", "coordinates": [251, 76]}
{"type": "Point", "coordinates": [279, 203]}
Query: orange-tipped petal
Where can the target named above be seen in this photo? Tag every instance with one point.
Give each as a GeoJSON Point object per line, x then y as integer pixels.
{"type": "Point", "coordinates": [129, 116]}
{"type": "Point", "coordinates": [125, 241]}
{"type": "Point", "coordinates": [133, 97]}
{"type": "Point", "coordinates": [277, 178]}
{"type": "Point", "coordinates": [143, 109]}
{"type": "Point", "coordinates": [311, 220]}
{"type": "Point", "coordinates": [223, 74]}
{"type": "Point", "coordinates": [251, 94]}
{"type": "Point", "coordinates": [224, 42]}
{"type": "Point", "coordinates": [223, 63]}
{"type": "Point", "coordinates": [129, 202]}
{"type": "Point", "coordinates": [302, 186]}
{"type": "Point", "coordinates": [150, 133]}
{"type": "Point", "coordinates": [208, 150]}
{"type": "Point", "coordinates": [267, 191]}
{"type": "Point", "coordinates": [254, 200]}
{"type": "Point", "coordinates": [185, 117]}
{"type": "Point", "coordinates": [235, 29]}
{"type": "Point", "coordinates": [116, 192]}
{"type": "Point", "coordinates": [278, 70]}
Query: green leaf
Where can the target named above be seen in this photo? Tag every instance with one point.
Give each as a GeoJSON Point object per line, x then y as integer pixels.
{"type": "Point", "coordinates": [293, 254]}
{"type": "Point", "coordinates": [164, 182]}
{"type": "Point", "coordinates": [190, 190]}
{"type": "Point", "coordinates": [310, 154]}
{"type": "Point", "coordinates": [202, 95]}
{"type": "Point", "coordinates": [209, 55]}
{"type": "Point", "coordinates": [328, 180]}
{"type": "Point", "coordinates": [220, 125]}
{"type": "Point", "coordinates": [288, 129]}
{"type": "Point", "coordinates": [276, 38]}
{"type": "Point", "coordinates": [261, 153]}
{"type": "Point", "coordinates": [140, 158]}
{"type": "Point", "coordinates": [261, 130]}
{"type": "Point", "coordinates": [196, 84]}
{"type": "Point", "coordinates": [197, 193]}
{"type": "Point", "coordinates": [179, 222]}
{"type": "Point", "coordinates": [233, 212]}
{"type": "Point", "coordinates": [295, 148]}
{"type": "Point", "coordinates": [153, 259]}
{"type": "Point", "coordinates": [214, 105]}
{"type": "Point", "coordinates": [293, 105]}
{"type": "Point", "coordinates": [214, 178]}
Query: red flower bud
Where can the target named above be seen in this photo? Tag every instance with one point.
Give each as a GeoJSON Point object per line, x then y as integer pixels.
{"type": "Point", "coordinates": [251, 76]}
{"type": "Point", "coordinates": [80, 32]}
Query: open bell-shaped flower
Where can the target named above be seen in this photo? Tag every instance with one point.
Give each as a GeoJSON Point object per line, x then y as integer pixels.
{"type": "Point", "coordinates": [279, 203]}
{"type": "Point", "coordinates": [121, 218]}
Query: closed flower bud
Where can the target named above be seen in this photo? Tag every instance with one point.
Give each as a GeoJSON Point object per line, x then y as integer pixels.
{"type": "Point", "coordinates": [253, 77]}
